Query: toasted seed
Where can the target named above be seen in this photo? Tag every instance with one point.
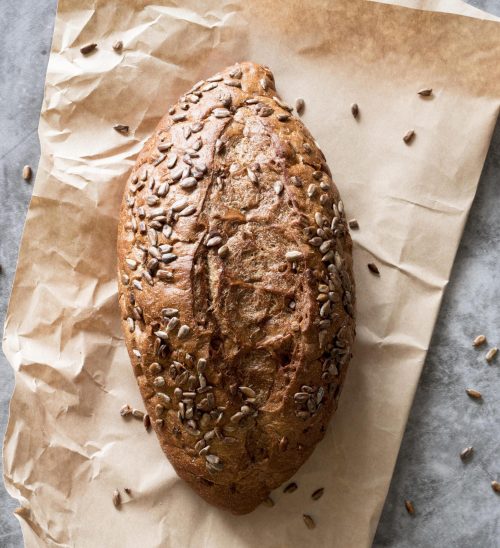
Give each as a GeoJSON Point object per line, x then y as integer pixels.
{"type": "Point", "coordinates": [425, 92]}
{"type": "Point", "coordinates": [466, 453]}
{"type": "Point", "coordinates": [118, 45]}
{"type": "Point", "coordinates": [294, 255]}
{"type": "Point", "coordinates": [300, 105]}
{"type": "Point", "coordinates": [265, 111]}
{"type": "Point", "coordinates": [121, 128]}
{"type": "Point", "coordinates": [183, 331]}
{"type": "Point", "coordinates": [147, 422]}
{"type": "Point", "coordinates": [290, 488]}
{"type": "Point", "coordinates": [409, 507]}
{"type": "Point", "coordinates": [355, 110]}
{"type": "Point", "coordinates": [251, 175]}
{"type": "Point", "coordinates": [318, 493]}
{"type": "Point", "coordinates": [495, 485]}
{"type": "Point", "coordinates": [221, 112]}
{"type": "Point", "coordinates": [131, 264]}
{"type": "Point", "coordinates": [492, 352]}
{"type": "Point", "coordinates": [479, 340]}
{"type": "Point", "coordinates": [409, 136]}
{"type": "Point", "coordinates": [372, 267]}
{"type": "Point", "coordinates": [283, 117]}
{"type": "Point", "coordinates": [278, 187]}
{"type": "Point", "coordinates": [282, 104]}
{"type": "Point", "coordinates": [263, 83]}
{"type": "Point", "coordinates": [474, 394]}
{"type": "Point", "coordinates": [179, 205]}
{"type": "Point", "coordinates": [310, 524]}
{"type": "Point", "coordinates": [125, 410]}
{"type": "Point", "coordinates": [237, 417]}
{"type": "Point", "coordinates": [223, 251]}
{"type": "Point", "coordinates": [172, 324]}
{"type": "Point", "coordinates": [27, 173]}
{"type": "Point", "coordinates": [85, 50]}
{"type": "Point", "coordinates": [353, 223]}
{"type": "Point", "coordinates": [312, 190]}
{"type": "Point", "coordinates": [247, 391]}
{"type": "Point", "coordinates": [283, 443]}
{"type": "Point", "coordinates": [179, 117]}
{"type": "Point", "coordinates": [269, 502]}
{"type": "Point", "coordinates": [138, 414]}
{"type": "Point", "coordinates": [213, 242]}
{"type": "Point", "coordinates": [117, 499]}
{"type": "Point", "coordinates": [159, 382]}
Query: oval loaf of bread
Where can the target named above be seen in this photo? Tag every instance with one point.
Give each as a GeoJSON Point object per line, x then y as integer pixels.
{"type": "Point", "coordinates": [236, 287]}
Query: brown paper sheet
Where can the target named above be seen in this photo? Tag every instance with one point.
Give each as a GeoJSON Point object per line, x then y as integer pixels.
{"type": "Point", "coordinates": [66, 447]}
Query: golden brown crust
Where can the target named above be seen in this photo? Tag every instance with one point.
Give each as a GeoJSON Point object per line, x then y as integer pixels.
{"type": "Point", "coordinates": [236, 287]}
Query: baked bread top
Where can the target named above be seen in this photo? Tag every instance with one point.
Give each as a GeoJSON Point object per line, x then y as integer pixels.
{"type": "Point", "coordinates": [236, 287]}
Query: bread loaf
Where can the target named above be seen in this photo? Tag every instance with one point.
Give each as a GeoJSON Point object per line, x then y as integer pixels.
{"type": "Point", "coordinates": [236, 287]}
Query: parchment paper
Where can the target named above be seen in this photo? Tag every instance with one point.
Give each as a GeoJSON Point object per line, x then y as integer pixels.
{"type": "Point", "coordinates": [66, 447]}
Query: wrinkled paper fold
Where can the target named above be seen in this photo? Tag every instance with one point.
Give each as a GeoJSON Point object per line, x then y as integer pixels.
{"type": "Point", "coordinates": [66, 447]}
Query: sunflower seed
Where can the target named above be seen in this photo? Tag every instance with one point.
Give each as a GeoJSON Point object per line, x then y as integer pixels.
{"type": "Point", "coordinates": [188, 183]}
{"type": "Point", "coordinates": [125, 410]}
{"type": "Point", "coordinates": [131, 264]}
{"type": "Point", "coordinates": [316, 241]}
{"type": "Point", "coordinates": [290, 488]}
{"type": "Point", "coordinates": [117, 499]}
{"type": "Point", "coordinates": [118, 45]}
{"type": "Point", "coordinates": [221, 112]}
{"type": "Point", "coordinates": [164, 275]}
{"type": "Point", "coordinates": [236, 73]}
{"type": "Point", "coordinates": [296, 181]}
{"type": "Point", "coordinates": [247, 391]}
{"type": "Point", "coordinates": [353, 223]}
{"type": "Point", "coordinates": [138, 414]}
{"type": "Point", "coordinates": [318, 493]}
{"type": "Point", "coordinates": [147, 422]}
{"type": "Point", "coordinates": [172, 324]}
{"type": "Point", "coordinates": [409, 136]}
{"type": "Point", "coordinates": [479, 340]}
{"type": "Point", "coordinates": [425, 92]}
{"type": "Point", "coordinates": [137, 353]}
{"type": "Point", "coordinates": [372, 267]}
{"type": "Point", "coordinates": [495, 485]}
{"type": "Point", "coordinates": [237, 417]}
{"type": "Point", "coordinates": [282, 104]}
{"type": "Point", "coordinates": [474, 394]}
{"type": "Point", "coordinates": [492, 352]}
{"type": "Point", "coordinates": [233, 83]}
{"type": "Point", "coordinates": [183, 331]}
{"type": "Point", "coordinates": [409, 507]}
{"type": "Point", "coordinates": [251, 175]}
{"type": "Point", "coordinates": [265, 111]}
{"type": "Point", "coordinates": [263, 83]}
{"type": "Point", "coordinates": [310, 524]}
{"type": "Point", "coordinates": [300, 105]}
{"type": "Point", "coordinates": [179, 117]}
{"type": "Point", "coordinates": [186, 131]}
{"type": "Point", "coordinates": [301, 397]}
{"type": "Point", "coordinates": [213, 242]}
{"type": "Point", "coordinates": [137, 284]}
{"type": "Point", "coordinates": [159, 382]}
{"type": "Point", "coordinates": [89, 48]}
{"type": "Point", "coordinates": [179, 205]}
{"type": "Point", "coordinates": [212, 459]}
{"type": "Point", "coordinates": [223, 251]}
{"type": "Point", "coordinates": [269, 502]}
{"type": "Point", "coordinates": [294, 255]}
{"type": "Point", "coordinates": [355, 110]}
{"type": "Point", "coordinates": [283, 117]}
{"type": "Point", "coordinates": [466, 453]}
{"type": "Point", "coordinates": [312, 190]}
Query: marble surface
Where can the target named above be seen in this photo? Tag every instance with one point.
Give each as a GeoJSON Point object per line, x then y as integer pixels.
{"type": "Point", "coordinates": [455, 505]}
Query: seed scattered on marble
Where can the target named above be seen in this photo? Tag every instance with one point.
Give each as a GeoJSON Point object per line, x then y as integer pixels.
{"type": "Point", "coordinates": [318, 493]}
{"type": "Point", "coordinates": [466, 453]}
{"type": "Point", "coordinates": [121, 128]}
{"type": "Point", "coordinates": [353, 223]}
{"type": "Point", "coordinates": [409, 136]}
{"type": "Point", "coordinates": [355, 110]}
{"type": "Point", "coordinates": [138, 414]}
{"type": "Point", "coordinates": [300, 105]}
{"type": "Point", "coordinates": [310, 524]}
{"type": "Point", "coordinates": [425, 92]}
{"type": "Point", "coordinates": [372, 267]}
{"type": "Point", "coordinates": [27, 173]}
{"type": "Point", "coordinates": [147, 422]}
{"type": "Point", "coordinates": [269, 502]}
{"type": "Point", "coordinates": [117, 499]}
{"type": "Point", "coordinates": [495, 485]}
{"type": "Point", "coordinates": [89, 48]}
{"type": "Point", "coordinates": [118, 45]}
{"type": "Point", "coordinates": [125, 410]}
{"type": "Point", "coordinates": [492, 352]}
{"type": "Point", "coordinates": [409, 507]}
{"type": "Point", "coordinates": [474, 394]}
{"type": "Point", "coordinates": [290, 488]}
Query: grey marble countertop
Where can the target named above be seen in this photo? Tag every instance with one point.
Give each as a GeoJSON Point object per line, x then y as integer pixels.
{"type": "Point", "coordinates": [454, 503]}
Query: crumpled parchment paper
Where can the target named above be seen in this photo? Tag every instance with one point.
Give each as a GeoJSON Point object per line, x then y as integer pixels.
{"type": "Point", "coordinates": [66, 447]}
